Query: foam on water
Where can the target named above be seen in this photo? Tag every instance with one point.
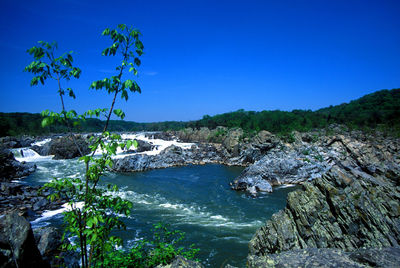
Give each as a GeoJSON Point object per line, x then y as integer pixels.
{"type": "Point", "coordinates": [46, 215]}
{"type": "Point", "coordinates": [187, 213]}
{"type": "Point", "coordinates": [159, 144]}
{"type": "Point", "coordinates": [41, 143]}
{"type": "Point", "coordinates": [29, 155]}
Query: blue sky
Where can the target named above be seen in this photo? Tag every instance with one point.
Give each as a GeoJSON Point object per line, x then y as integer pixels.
{"type": "Point", "coordinates": [208, 57]}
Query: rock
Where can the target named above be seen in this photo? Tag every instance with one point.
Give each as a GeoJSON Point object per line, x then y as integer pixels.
{"type": "Point", "coordinates": [68, 147]}
{"type": "Point", "coordinates": [231, 141]}
{"type": "Point", "coordinates": [180, 262]}
{"type": "Point", "coordinates": [144, 146]}
{"type": "Point", "coordinates": [11, 168]}
{"type": "Point", "coordinates": [167, 136]}
{"type": "Point", "coordinates": [264, 137]}
{"type": "Point", "coordinates": [42, 150]}
{"type": "Point", "coordinates": [278, 168]}
{"type": "Point", "coordinates": [16, 142]}
{"type": "Point", "coordinates": [329, 257]}
{"type": "Point", "coordinates": [48, 240]}
{"type": "Point", "coordinates": [17, 243]}
{"type": "Point", "coordinates": [312, 257]}
{"type": "Point", "coordinates": [169, 157]}
{"type": "Point", "coordinates": [345, 208]}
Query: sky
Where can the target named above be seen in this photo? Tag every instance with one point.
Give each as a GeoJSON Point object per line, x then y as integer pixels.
{"type": "Point", "coordinates": [207, 57]}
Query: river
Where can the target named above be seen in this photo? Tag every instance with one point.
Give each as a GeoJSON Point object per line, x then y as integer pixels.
{"type": "Point", "coordinates": [194, 199]}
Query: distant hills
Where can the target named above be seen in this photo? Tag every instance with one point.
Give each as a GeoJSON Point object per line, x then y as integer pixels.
{"type": "Point", "coordinates": [379, 110]}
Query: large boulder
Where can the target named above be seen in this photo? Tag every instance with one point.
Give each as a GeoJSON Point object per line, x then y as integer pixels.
{"type": "Point", "coordinates": [68, 147]}
{"type": "Point", "coordinates": [49, 241]}
{"type": "Point", "coordinates": [17, 243]}
{"type": "Point", "coordinates": [11, 168]}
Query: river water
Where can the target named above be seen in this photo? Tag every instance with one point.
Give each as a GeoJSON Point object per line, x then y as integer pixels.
{"type": "Point", "coordinates": [194, 199]}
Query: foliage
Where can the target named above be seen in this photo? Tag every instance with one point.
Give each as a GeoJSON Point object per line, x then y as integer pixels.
{"type": "Point", "coordinates": [93, 210]}
{"type": "Point", "coordinates": [162, 249]}
{"type": "Point", "coordinates": [379, 110]}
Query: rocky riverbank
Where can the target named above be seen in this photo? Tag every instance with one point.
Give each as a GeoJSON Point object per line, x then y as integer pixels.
{"type": "Point", "coordinates": [347, 212]}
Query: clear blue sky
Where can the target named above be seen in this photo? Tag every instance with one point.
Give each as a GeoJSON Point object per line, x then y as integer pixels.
{"type": "Point", "coordinates": [208, 57]}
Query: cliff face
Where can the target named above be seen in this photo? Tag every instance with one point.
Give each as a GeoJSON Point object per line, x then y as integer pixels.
{"type": "Point", "coordinates": [346, 208]}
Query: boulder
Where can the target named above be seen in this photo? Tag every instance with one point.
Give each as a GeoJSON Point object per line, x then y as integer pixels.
{"type": "Point", "coordinates": [11, 168]}
{"type": "Point", "coordinates": [69, 147]}
{"type": "Point", "coordinates": [17, 243]}
{"type": "Point", "coordinates": [48, 240]}
{"type": "Point", "coordinates": [144, 146]}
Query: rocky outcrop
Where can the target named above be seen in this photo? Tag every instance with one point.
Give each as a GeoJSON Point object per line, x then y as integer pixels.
{"type": "Point", "coordinates": [11, 168]}
{"type": "Point", "coordinates": [17, 243]}
{"type": "Point", "coordinates": [346, 208]}
{"type": "Point", "coordinates": [275, 169]}
{"type": "Point", "coordinates": [68, 147]}
{"type": "Point", "coordinates": [329, 257]}
{"type": "Point", "coordinates": [169, 157]}
{"type": "Point", "coordinates": [27, 200]}
{"type": "Point", "coordinates": [180, 262]}
{"type": "Point", "coordinates": [16, 142]}
{"type": "Point", "coordinates": [310, 155]}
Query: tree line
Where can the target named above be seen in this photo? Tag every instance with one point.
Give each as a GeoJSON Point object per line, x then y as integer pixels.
{"type": "Point", "coordinates": [378, 110]}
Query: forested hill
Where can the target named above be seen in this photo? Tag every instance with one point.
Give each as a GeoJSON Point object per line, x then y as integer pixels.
{"type": "Point", "coordinates": [377, 110]}
{"type": "Point", "coordinates": [380, 109]}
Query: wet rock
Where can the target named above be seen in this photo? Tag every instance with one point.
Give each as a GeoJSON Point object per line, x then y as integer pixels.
{"type": "Point", "coordinates": [11, 168]}
{"type": "Point", "coordinates": [17, 243]}
{"type": "Point", "coordinates": [167, 136]}
{"type": "Point", "coordinates": [144, 146]}
{"type": "Point", "coordinates": [69, 147]}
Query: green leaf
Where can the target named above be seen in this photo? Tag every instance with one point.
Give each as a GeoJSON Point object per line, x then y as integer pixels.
{"type": "Point", "coordinates": [46, 121]}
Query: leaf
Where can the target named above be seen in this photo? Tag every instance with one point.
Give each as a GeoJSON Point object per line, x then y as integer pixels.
{"type": "Point", "coordinates": [46, 121]}
{"type": "Point", "coordinates": [119, 113]}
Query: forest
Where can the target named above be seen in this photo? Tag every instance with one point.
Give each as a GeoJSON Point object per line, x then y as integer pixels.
{"type": "Point", "coordinates": [379, 110]}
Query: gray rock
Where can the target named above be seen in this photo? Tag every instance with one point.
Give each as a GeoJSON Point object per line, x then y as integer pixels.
{"type": "Point", "coordinates": [68, 147]}
{"type": "Point", "coordinates": [278, 168]}
{"type": "Point", "coordinates": [180, 262]}
{"type": "Point", "coordinates": [11, 168]}
{"type": "Point", "coordinates": [345, 209]}
{"type": "Point", "coordinates": [48, 240]}
{"type": "Point", "coordinates": [17, 243]}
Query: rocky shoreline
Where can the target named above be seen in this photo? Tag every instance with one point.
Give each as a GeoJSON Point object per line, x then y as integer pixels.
{"type": "Point", "coordinates": [347, 212]}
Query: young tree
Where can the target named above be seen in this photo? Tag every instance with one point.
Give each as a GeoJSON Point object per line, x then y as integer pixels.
{"type": "Point", "coordinates": [94, 210]}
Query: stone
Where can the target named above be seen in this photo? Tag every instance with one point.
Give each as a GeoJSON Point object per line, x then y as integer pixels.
{"type": "Point", "coordinates": [345, 209]}
{"type": "Point", "coordinates": [180, 262]}
{"type": "Point", "coordinates": [69, 147]}
{"type": "Point", "coordinates": [17, 243]}
{"type": "Point", "coordinates": [11, 168]}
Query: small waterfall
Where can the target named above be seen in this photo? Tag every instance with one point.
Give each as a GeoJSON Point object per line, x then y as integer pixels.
{"type": "Point", "coordinates": [28, 153]}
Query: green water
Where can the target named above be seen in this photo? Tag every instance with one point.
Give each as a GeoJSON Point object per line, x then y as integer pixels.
{"type": "Point", "coordinates": [193, 199]}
